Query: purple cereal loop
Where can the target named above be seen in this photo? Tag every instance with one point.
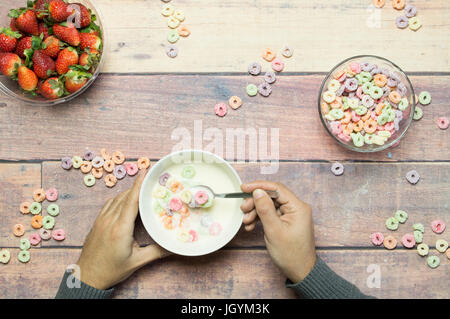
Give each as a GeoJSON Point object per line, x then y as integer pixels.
{"type": "Point", "coordinates": [367, 67]}
{"type": "Point", "coordinates": [386, 91]}
{"type": "Point", "coordinates": [375, 71]}
{"type": "Point", "coordinates": [171, 51]}
{"type": "Point", "coordinates": [401, 22]}
{"type": "Point", "coordinates": [119, 172]}
{"type": "Point", "coordinates": [412, 177]}
{"type": "Point", "coordinates": [367, 101]}
{"type": "Point", "coordinates": [88, 156]}
{"type": "Point", "coordinates": [392, 82]}
{"type": "Point", "coordinates": [66, 162]}
{"type": "Point", "coordinates": [351, 95]}
{"type": "Point", "coordinates": [410, 11]}
{"type": "Point", "coordinates": [270, 77]}
{"type": "Point", "coordinates": [351, 84]}
{"type": "Point", "coordinates": [265, 89]}
{"type": "Point", "coordinates": [340, 91]}
{"type": "Point", "coordinates": [398, 115]}
{"type": "Point", "coordinates": [163, 179]}
{"type": "Point", "coordinates": [337, 169]}
{"type": "Point", "coordinates": [254, 68]}
{"type": "Point", "coordinates": [394, 75]}
{"type": "Point", "coordinates": [401, 88]}
{"type": "Point", "coordinates": [385, 72]}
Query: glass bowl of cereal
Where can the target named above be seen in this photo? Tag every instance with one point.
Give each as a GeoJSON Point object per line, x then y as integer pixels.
{"type": "Point", "coordinates": [183, 218]}
{"type": "Point", "coordinates": [78, 37]}
{"type": "Point", "coordinates": [366, 103]}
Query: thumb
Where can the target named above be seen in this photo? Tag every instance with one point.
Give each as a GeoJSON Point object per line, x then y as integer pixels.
{"type": "Point", "coordinates": [265, 209]}
{"type": "Point", "coordinates": [144, 255]}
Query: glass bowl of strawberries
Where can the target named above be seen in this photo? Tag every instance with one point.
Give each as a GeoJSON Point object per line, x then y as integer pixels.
{"type": "Point", "coordinates": [51, 51]}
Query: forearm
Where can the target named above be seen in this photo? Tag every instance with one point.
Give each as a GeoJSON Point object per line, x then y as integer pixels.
{"type": "Point", "coordinates": [324, 283]}
{"type": "Point", "coordinates": [69, 289]}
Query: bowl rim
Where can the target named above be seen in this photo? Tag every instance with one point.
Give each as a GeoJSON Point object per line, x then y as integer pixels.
{"type": "Point", "coordinates": [154, 167]}
{"type": "Point", "coordinates": [381, 147]}
{"type": "Point", "coordinates": [72, 96]}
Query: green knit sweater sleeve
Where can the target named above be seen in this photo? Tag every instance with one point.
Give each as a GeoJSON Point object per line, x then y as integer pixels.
{"type": "Point", "coordinates": [70, 288]}
{"type": "Point", "coordinates": [324, 283]}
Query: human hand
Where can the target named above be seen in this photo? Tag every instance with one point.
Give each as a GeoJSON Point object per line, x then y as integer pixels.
{"type": "Point", "coordinates": [110, 253]}
{"type": "Point", "coordinates": [288, 227]}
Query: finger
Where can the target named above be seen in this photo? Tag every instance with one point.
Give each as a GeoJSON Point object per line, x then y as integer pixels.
{"type": "Point", "coordinates": [284, 194]}
{"type": "Point", "coordinates": [250, 227]}
{"type": "Point", "coordinates": [250, 217]}
{"type": "Point", "coordinates": [113, 209]}
{"type": "Point", "coordinates": [106, 206]}
{"type": "Point", "coordinates": [266, 211]}
{"type": "Point", "coordinates": [144, 255]}
{"type": "Point", "coordinates": [129, 213]}
{"type": "Point", "coordinates": [248, 205]}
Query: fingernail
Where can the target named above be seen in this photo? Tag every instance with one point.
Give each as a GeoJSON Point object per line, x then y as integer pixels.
{"type": "Point", "coordinates": [258, 193]}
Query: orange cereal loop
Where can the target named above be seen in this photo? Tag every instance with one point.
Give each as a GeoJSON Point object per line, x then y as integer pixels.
{"type": "Point", "coordinates": [18, 230]}
{"type": "Point", "coordinates": [398, 4]}
{"type": "Point", "coordinates": [325, 107]}
{"type": "Point", "coordinates": [97, 172]}
{"type": "Point", "coordinates": [118, 157]}
{"type": "Point", "coordinates": [347, 117]}
{"type": "Point", "coordinates": [110, 180]}
{"type": "Point", "coordinates": [235, 102]}
{"type": "Point", "coordinates": [143, 163]}
{"type": "Point", "coordinates": [379, 108]}
{"type": "Point", "coordinates": [379, 3]}
{"type": "Point", "coordinates": [370, 126]}
{"type": "Point", "coordinates": [380, 80]}
{"type": "Point", "coordinates": [36, 221]}
{"type": "Point", "coordinates": [395, 97]}
{"type": "Point", "coordinates": [349, 71]}
{"type": "Point", "coordinates": [366, 116]}
{"type": "Point", "coordinates": [25, 208]}
{"type": "Point", "coordinates": [184, 212]}
{"type": "Point", "coordinates": [39, 195]}
{"type": "Point", "coordinates": [86, 167]}
{"type": "Point", "coordinates": [183, 31]}
{"type": "Point", "coordinates": [348, 129]}
{"type": "Point", "coordinates": [176, 186]}
{"type": "Point", "coordinates": [109, 166]}
{"type": "Point", "coordinates": [106, 156]}
{"type": "Point", "coordinates": [268, 55]}
{"type": "Point", "coordinates": [358, 126]}
{"type": "Point", "coordinates": [336, 104]}
{"type": "Point", "coordinates": [338, 74]}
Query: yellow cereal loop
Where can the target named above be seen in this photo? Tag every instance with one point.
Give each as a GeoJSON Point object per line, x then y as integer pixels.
{"type": "Point", "coordinates": [179, 15]}
{"type": "Point", "coordinates": [173, 23]}
{"type": "Point", "coordinates": [167, 10]}
{"type": "Point", "coordinates": [160, 192]}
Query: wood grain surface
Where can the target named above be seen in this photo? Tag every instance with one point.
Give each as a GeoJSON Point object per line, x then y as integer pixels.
{"type": "Point", "coordinates": [141, 119]}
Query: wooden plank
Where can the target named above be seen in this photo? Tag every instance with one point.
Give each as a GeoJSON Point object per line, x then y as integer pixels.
{"type": "Point", "coordinates": [17, 182]}
{"type": "Point", "coordinates": [226, 274]}
{"type": "Point", "coordinates": [347, 209]}
{"type": "Point", "coordinates": [144, 118]}
{"type": "Point", "coordinates": [226, 38]}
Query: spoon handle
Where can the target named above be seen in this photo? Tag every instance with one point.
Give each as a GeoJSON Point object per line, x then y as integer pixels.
{"type": "Point", "coordinates": [272, 194]}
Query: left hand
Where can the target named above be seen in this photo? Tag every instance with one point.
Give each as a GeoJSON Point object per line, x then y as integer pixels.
{"type": "Point", "coordinates": [110, 253]}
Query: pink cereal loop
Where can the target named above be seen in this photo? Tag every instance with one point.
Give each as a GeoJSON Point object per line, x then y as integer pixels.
{"type": "Point", "coordinates": [193, 235]}
{"type": "Point", "coordinates": [355, 117]}
{"type": "Point", "coordinates": [201, 197]}
{"type": "Point", "coordinates": [215, 229]}
{"type": "Point", "coordinates": [355, 67]}
{"type": "Point", "coordinates": [175, 204]}
{"type": "Point", "coordinates": [408, 241]}
{"type": "Point", "coordinates": [344, 137]}
{"type": "Point", "coordinates": [51, 194]}
{"type": "Point", "coordinates": [438, 226]}
{"type": "Point", "coordinates": [131, 169]}
{"type": "Point", "coordinates": [221, 109]}
{"type": "Point", "coordinates": [35, 239]}
{"type": "Point", "coordinates": [277, 65]}
{"type": "Point", "coordinates": [443, 123]}
{"type": "Point", "coordinates": [377, 238]}
{"type": "Point", "coordinates": [59, 234]}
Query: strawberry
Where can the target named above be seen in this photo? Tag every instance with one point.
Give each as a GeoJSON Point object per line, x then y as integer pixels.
{"type": "Point", "coordinates": [59, 10]}
{"type": "Point", "coordinates": [43, 65]}
{"type": "Point", "coordinates": [40, 8]}
{"type": "Point", "coordinates": [75, 80]}
{"type": "Point", "coordinates": [66, 58]}
{"type": "Point", "coordinates": [9, 63]}
{"type": "Point", "coordinates": [51, 45]}
{"type": "Point", "coordinates": [67, 34]}
{"type": "Point", "coordinates": [8, 39]}
{"type": "Point", "coordinates": [27, 78]}
{"type": "Point", "coordinates": [24, 43]}
{"type": "Point", "coordinates": [90, 40]}
{"type": "Point", "coordinates": [51, 88]}
{"type": "Point", "coordinates": [85, 16]}
{"type": "Point", "coordinates": [26, 20]}
{"type": "Point", "coordinates": [89, 59]}
{"type": "Point", "coordinates": [43, 29]}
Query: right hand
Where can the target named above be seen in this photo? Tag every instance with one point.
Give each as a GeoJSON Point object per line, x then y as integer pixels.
{"type": "Point", "coordinates": [288, 227]}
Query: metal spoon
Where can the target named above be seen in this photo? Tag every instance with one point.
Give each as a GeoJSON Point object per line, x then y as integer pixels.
{"type": "Point", "coordinates": [272, 194]}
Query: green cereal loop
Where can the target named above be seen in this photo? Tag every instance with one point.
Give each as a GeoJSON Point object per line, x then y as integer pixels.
{"type": "Point", "coordinates": [188, 171]}
{"type": "Point", "coordinates": [392, 223]}
{"type": "Point", "coordinates": [382, 119]}
{"type": "Point", "coordinates": [173, 36]}
{"type": "Point", "coordinates": [433, 261]}
{"type": "Point", "coordinates": [366, 77]}
{"type": "Point", "coordinates": [418, 236]}
{"type": "Point", "coordinates": [418, 113]}
{"type": "Point", "coordinates": [391, 115]}
{"type": "Point", "coordinates": [89, 180]}
{"type": "Point", "coordinates": [401, 216]}
{"type": "Point", "coordinates": [367, 87]}
{"type": "Point", "coordinates": [53, 210]}
{"type": "Point", "coordinates": [423, 249]}
{"type": "Point", "coordinates": [358, 78]}
{"type": "Point", "coordinates": [361, 110]}
{"type": "Point", "coordinates": [24, 256]}
{"type": "Point", "coordinates": [208, 203]}
{"type": "Point", "coordinates": [368, 139]}
{"type": "Point", "coordinates": [419, 227]}
{"type": "Point", "coordinates": [376, 92]}
{"type": "Point", "coordinates": [345, 105]}
{"type": "Point", "coordinates": [24, 244]}
{"type": "Point", "coordinates": [425, 98]}
{"type": "Point", "coordinates": [403, 104]}
{"type": "Point", "coordinates": [252, 90]}
{"type": "Point", "coordinates": [337, 113]}
{"type": "Point", "coordinates": [157, 208]}
{"type": "Point", "coordinates": [77, 161]}
{"type": "Point", "coordinates": [358, 139]}
{"type": "Point", "coordinates": [167, 197]}
{"type": "Point", "coordinates": [35, 208]}
{"type": "Point", "coordinates": [329, 117]}
{"type": "Point", "coordinates": [441, 245]}
{"type": "Point", "coordinates": [353, 103]}
{"type": "Point", "coordinates": [48, 222]}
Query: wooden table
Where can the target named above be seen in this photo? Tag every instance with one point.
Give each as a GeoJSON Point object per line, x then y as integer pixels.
{"type": "Point", "coordinates": [143, 95]}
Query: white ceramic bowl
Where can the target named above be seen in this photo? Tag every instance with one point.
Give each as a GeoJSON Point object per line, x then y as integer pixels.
{"type": "Point", "coordinates": [152, 222]}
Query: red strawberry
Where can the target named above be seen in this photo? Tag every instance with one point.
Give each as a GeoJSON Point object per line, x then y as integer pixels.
{"type": "Point", "coordinates": [26, 20]}
{"type": "Point", "coordinates": [24, 43]}
{"type": "Point", "coordinates": [9, 63]}
{"type": "Point", "coordinates": [67, 34]}
{"type": "Point", "coordinates": [75, 80]}
{"type": "Point", "coordinates": [40, 8]}
{"type": "Point", "coordinates": [8, 39]}
{"type": "Point", "coordinates": [66, 58]}
{"type": "Point", "coordinates": [27, 78]}
{"type": "Point", "coordinates": [51, 47]}
{"type": "Point", "coordinates": [59, 10]}
{"type": "Point", "coordinates": [43, 29]}
{"type": "Point", "coordinates": [90, 40]}
{"type": "Point", "coordinates": [43, 65]}
{"type": "Point", "coordinates": [89, 59]}
{"type": "Point", "coordinates": [51, 88]}
{"type": "Point", "coordinates": [85, 16]}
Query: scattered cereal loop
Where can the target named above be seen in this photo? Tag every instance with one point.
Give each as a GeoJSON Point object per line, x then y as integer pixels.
{"type": "Point", "coordinates": [5, 256]}
{"type": "Point", "coordinates": [433, 261]}
{"type": "Point", "coordinates": [24, 256]}
{"type": "Point", "coordinates": [441, 245]}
